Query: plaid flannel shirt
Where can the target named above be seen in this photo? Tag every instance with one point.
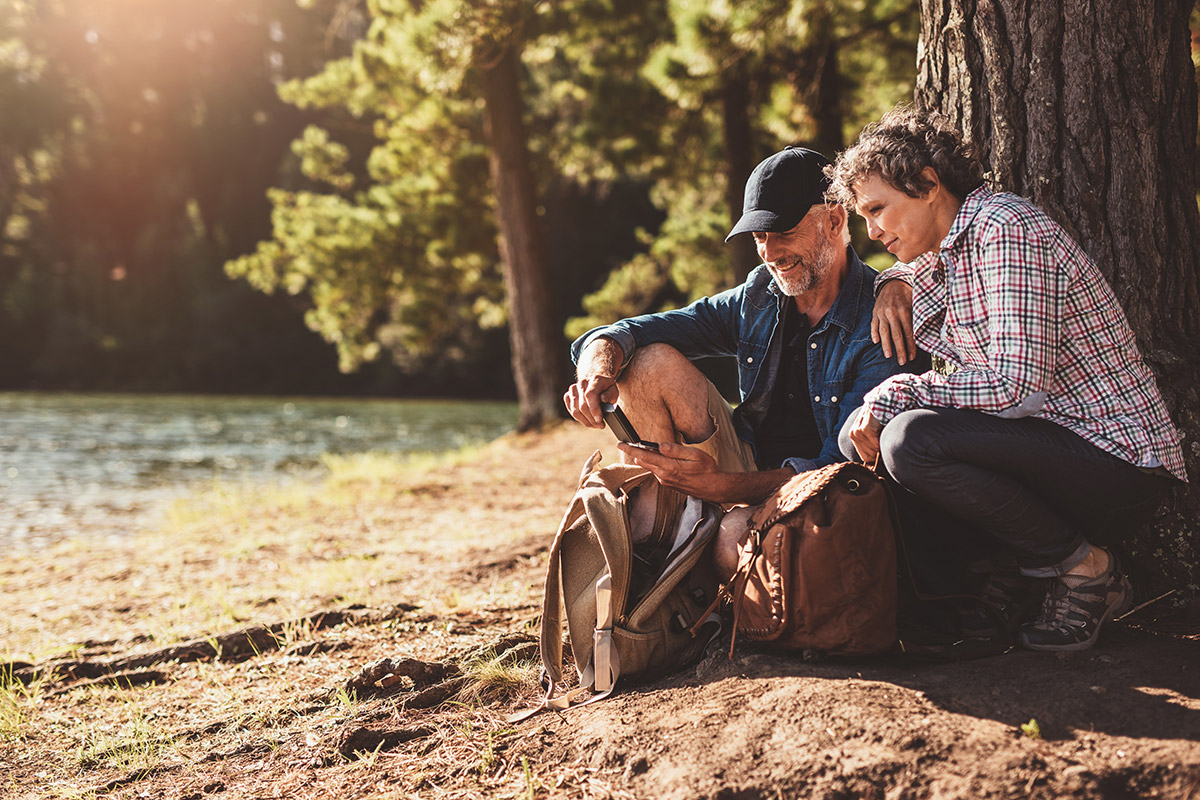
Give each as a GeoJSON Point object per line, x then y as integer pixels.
{"type": "Point", "coordinates": [1034, 329]}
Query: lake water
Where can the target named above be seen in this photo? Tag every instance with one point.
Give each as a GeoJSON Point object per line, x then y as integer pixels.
{"type": "Point", "coordinates": [98, 463]}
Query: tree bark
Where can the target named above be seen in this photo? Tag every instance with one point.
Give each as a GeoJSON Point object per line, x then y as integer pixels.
{"type": "Point", "coordinates": [1089, 109]}
{"type": "Point", "coordinates": [739, 158]}
{"type": "Point", "coordinates": [536, 345]}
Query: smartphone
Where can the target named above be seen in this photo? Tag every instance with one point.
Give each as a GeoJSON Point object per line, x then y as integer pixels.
{"type": "Point", "coordinates": [622, 428]}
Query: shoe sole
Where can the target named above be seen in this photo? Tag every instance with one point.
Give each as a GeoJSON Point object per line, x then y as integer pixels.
{"type": "Point", "coordinates": [1115, 610]}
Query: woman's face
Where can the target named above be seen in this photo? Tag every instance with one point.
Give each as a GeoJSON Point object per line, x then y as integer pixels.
{"type": "Point", "coordinates": [907, 226]}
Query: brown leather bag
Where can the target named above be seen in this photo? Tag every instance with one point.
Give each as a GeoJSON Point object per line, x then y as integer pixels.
{"type": "Point", "coordinates": [818, 570]}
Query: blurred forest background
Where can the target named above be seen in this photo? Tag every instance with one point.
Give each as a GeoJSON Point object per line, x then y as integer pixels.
{"type": "Point", "coordinates": [307, 196]}
{"type": "Point", "coordinates": [188, 190]}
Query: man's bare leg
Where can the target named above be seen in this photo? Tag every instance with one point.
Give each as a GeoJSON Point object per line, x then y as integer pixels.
{"type": "Point", "coordinates": [666, 399]}
{"type": "Point", "coordinates": [665, 396]}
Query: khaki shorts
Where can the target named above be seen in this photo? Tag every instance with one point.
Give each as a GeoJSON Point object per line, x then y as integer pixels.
{"type": "Point", "coordinates": [731, 453]}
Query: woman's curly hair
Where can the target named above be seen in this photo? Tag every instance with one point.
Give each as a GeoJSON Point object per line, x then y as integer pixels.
{"type": "Point", "coordinates": [898, 147]}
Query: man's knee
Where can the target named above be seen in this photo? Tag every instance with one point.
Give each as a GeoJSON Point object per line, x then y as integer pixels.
{"type": "Point", "coordinates": [655, 366]}
{"type": "Point", "coordinates": [734, 527]}
{"type": "Point", "coordinates": [662, 389]}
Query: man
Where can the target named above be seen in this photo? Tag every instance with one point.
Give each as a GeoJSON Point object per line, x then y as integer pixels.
{"type": "Point", "coordinates": [800, 328]}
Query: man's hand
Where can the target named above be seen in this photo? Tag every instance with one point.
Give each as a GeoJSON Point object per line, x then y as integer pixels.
{"type": "Point", "coordinates": [865, 436]}
{"type": "Point", "coordinates": [892, 322]}
{"type": "Point", "coordinates": [597, 366]}
{"type": "Point", "coordinates": [695, 473]}
{"type": "Point", "coordinates": [584, 396]}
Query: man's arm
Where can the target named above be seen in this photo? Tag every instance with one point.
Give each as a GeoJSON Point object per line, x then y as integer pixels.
{"type": "Point", "coordinates": [695, 473]}
{"type": "Point", "coordinates": [706, 327]}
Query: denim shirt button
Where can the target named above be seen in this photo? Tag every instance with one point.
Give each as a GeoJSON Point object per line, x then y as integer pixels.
{"type": "Point", "coordinates": [833, 399]}
{"type": "Point", "coordinates": [749, 359]}
{"type": "Point", "coordinates": [817, 399]}
{"type": "Point", "coordinates": [813, 345]}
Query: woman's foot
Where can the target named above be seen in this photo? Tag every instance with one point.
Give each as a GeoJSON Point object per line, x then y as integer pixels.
{"type": "Point", "coordinates": [1077, 604]}
{"type": "Point", "coordinates": [1011, 597]}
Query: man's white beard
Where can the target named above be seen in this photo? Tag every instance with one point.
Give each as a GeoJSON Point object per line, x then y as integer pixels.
{"type": "Point", "coordinates": [807, 275]}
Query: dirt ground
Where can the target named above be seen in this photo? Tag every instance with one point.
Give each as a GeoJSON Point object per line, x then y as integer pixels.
{"type": "Point", "coordinates": [391, 675]}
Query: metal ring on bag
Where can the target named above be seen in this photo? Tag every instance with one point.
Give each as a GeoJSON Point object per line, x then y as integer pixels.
{"type": "Point", "coordinates": [853, 485]}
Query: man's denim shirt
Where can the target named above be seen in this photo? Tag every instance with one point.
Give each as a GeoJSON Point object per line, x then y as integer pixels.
{"type": "Point", "coordinates": [843, 363]}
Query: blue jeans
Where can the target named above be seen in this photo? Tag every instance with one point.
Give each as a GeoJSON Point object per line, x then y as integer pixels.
{"type": "Point", "coordinates": [1028, 485]}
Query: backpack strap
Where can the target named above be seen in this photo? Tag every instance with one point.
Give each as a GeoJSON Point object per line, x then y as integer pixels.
{"type": "Point", "coordinates": [803, 487]}
{"type": "Point", "coordinates": [605, 665]}
{"type": "Point", "coordinates": [741, 576]}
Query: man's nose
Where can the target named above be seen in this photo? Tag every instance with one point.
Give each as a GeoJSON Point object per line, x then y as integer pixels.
{"type": "Point", "coordinates": [768, 247]}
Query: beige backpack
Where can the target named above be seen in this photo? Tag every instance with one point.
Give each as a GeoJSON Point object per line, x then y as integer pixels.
{"type": "Point", "coordinates": [630, 608]}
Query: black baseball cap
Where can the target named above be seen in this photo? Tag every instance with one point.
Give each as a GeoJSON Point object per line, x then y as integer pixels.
{"type": "Point", "coordinates": [781, 190]}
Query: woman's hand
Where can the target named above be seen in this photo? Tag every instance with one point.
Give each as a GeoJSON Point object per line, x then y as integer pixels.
{"type": "Point", "coordinates": [865, 436]}
{"type": "Point", "coordinates": [892, 321]}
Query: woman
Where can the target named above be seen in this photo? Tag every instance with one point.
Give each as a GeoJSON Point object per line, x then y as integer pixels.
{"type": "Point", "coordinates": [1051, 434]}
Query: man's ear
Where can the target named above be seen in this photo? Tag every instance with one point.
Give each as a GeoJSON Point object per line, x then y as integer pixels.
{"type": "Point", "coordinates": [837, 217]}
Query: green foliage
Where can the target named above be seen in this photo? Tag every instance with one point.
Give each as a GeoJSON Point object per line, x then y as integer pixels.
{"type": "Point", "coordinates": [321, 160]}
{"type": "Point", "coordinates": [140, 139]}
{"type": "Point", "coordinates": [406, 264]}
{"type": "Point", "coordinates": [682, 261]}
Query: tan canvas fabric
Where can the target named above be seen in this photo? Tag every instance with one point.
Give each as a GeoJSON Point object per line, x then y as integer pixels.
{"type": "Point", "coordinates": [592, 557]}
{"type": "Point", "coordinates": [731, 453]}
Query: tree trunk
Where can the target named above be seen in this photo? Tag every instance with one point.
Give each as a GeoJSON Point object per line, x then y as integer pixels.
{"type": "Point", "coordinates": [739, 158]}
{"type": "Point", "coordinates": [536, 346]}
{"type": "Point", "coordinates": [1089, 109]}
{"type": "Point", "coordinates": [827, 99]}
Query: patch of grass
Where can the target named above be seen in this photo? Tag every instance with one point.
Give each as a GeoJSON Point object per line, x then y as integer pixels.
{"type": "Point", "coordinates": [232, 502]}
{"type": "Point", "coordinates": [17, 706]}
{"type": "Point", "coordinates": [531, 782]}
{"type": "Point", "coordinates": [489, 758]}
{"type": "Point", "coordinates": [347, 699]}
{"type": "Point", "coordinates": [293, 632]}
{"type": "Point", "coordinates": [135, 746]}
{"type": "Point", "coordinates": [495, 679]}
{"type": "Point", "coordinates": [391, 468]}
